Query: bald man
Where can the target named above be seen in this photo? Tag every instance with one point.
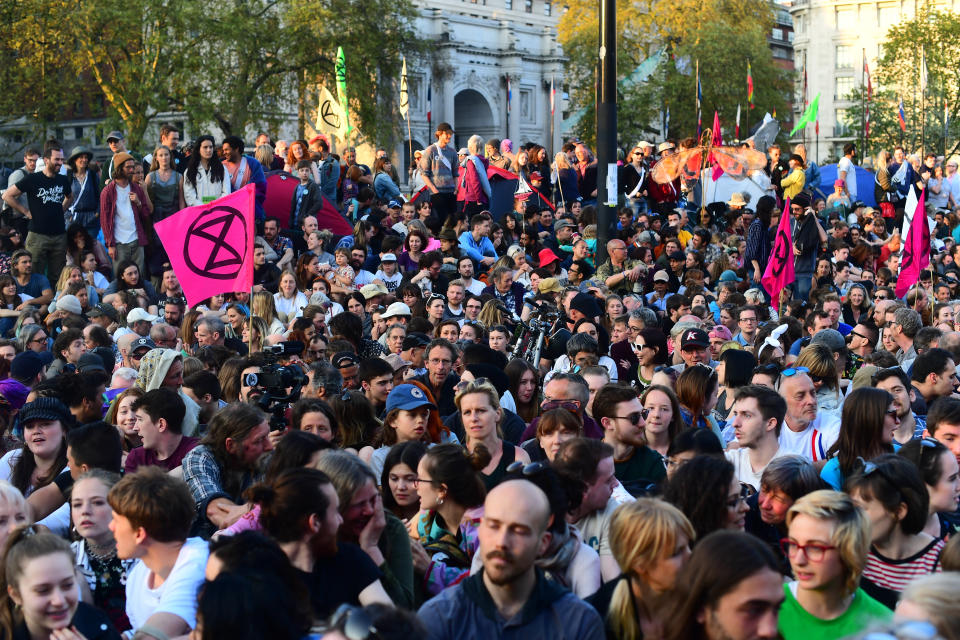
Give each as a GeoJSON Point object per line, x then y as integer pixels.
{"type": "Point", "coordinates": [123, 346]}
{"type": "Point", "coordinates": [512, 534]}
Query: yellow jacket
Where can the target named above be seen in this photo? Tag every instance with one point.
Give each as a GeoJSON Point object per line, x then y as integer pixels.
{"type": "Point", "coordinates": [793, 183]}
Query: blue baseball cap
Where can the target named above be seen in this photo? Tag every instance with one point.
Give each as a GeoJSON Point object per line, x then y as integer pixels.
{"type": "Point", "coordinates": [729, 276]}
{"type": "Point", "coordinates": [408, 397]}
{"type": "Point", "coordinates": [395, 204]}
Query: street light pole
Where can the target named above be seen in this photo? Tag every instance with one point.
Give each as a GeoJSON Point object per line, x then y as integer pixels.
{"type": "Point", "coordinates": [606, 127]}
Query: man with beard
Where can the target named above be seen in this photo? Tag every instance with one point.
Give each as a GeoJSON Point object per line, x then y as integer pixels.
{"type": "Point", "coordinates": [757, 415]}
{"type": "Point", "coordinates": [510, 590]}
{"type": "Point", "coordinates": [896, 382]}
{"type": "Point", "coordinates": [282, 246]}
{"type": "Point", "coordinates": [225, 463]}
{"type": "Point", "coordinates": [300, 510]}
{"type": "Point", "coordinates": [620, 413]}
{"type": "Point", "coordinates": [125, 214]}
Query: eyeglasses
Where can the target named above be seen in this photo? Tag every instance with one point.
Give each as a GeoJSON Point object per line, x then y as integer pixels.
{"type": "Point", "coordinates": [417, 481]}
{"type": "Point", "coordinates": [463, 384]}
{"type": "Point", "coordinates": [746, 491]}
{"type": "Point", "coordinates": [813, 550]}
{"type": "Point", "coordinates": [440, 361]}
{"type": "Point", "coordinates": [792, 371]}
{"type": "Point", "coordinates": [355, 623]}
{"type": "Point", "coordinates": [573, 406]}
{"type": "Point", "coordinates": [636, 417]}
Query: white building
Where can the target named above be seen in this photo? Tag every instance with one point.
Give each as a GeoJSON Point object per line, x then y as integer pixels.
{"type": "Point", "coordinates": [480, 44]}
{"type": "Point", "coordinates": [831, 38]}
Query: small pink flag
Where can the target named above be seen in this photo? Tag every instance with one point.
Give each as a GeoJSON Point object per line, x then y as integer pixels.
{"type": "Point", "coordinates": [211, 245]}
{"type": "Point", "coordinates": [779, 271]}
{"type": "Point", "coordinates": [916, 251]}
{"type": "Point", "coordinates": [717, 141]}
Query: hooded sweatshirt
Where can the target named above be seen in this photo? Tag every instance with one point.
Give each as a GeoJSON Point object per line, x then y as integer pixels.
{"type": "Point", "coordinates": [153, 369]}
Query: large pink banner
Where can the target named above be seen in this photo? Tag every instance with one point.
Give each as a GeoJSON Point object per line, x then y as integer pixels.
{"type": "Point", "coordinates": [779, 271]}
{"type": "Point", "coordinates": [916, 251]}
{"type": "Point", "coordinates": [211, 245]}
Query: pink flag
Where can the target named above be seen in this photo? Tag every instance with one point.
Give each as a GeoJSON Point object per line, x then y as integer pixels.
{"type": "Point", "coordinates": [779, 271]}
{"type": "Point", "coordinates": [916, 251]}
{"type": "Point", "coordinates": [716, 142]}
{"type": "Point", "coordinates": [211, 245]}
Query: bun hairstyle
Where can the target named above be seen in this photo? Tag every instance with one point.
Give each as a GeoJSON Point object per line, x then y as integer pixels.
{"type": "Point", "coordinates": [288, 501]}
{"type": "Point", "coordinates": [446, 465]}
{"type": "Point", "coordinates": [24, 544]}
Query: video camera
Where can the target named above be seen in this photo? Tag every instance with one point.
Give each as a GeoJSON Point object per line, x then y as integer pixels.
{"type": "Point", "coordinates": [279, 385]}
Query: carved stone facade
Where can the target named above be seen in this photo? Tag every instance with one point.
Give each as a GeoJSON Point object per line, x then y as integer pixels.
{"type": "Point", "coordinates": [482, 43]}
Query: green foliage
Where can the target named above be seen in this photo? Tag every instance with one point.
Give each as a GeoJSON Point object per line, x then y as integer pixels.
{"type": "Point", "coordinates": [898, 76]}
{"type": "Point", "coordinates": [238, 64]}
{"type": "Point", "coordinates": [721, 34]}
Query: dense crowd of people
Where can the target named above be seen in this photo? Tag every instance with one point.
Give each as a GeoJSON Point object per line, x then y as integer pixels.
{"type": "Point", "coordinates": [458, 424]}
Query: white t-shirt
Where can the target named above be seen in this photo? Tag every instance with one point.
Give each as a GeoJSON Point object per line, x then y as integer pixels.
{"type": "Point", "coordinates": [476, 287]}
{"type": "Point", "coordinates": [595, 528]}
{"type": "Point", "coordinates": [392, 282]}
{"type": "Point", "coordinates": [742, 467]}
{"type": "Point", "coordinates": [847, 165]}
{"type": "Point", "coordinates": [813, 442]}
{"type": "Point", "coordinates": [178, 593]}
{"type": "Point", "coordinates": [124, 226]}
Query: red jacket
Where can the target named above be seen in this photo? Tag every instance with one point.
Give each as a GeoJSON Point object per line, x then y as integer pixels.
{"type": "Point", "coordinates": [108, 212]}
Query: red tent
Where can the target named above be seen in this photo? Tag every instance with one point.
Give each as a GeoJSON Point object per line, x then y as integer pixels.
{"type": "Point", "coordinates": [280, 189]}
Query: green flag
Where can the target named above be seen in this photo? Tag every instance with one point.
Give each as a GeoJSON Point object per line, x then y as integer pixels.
{"type": "Point", "coordinates": [809, 115]}
{"type": "Point", "coordinates": [341, 70]}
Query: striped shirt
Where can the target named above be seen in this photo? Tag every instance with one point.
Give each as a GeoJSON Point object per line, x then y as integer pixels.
{"type": "Point", "coordinates": [884, 578]}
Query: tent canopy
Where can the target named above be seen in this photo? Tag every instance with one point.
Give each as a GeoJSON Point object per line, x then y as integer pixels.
{"type": "Point", "coordinates": [865, 180]}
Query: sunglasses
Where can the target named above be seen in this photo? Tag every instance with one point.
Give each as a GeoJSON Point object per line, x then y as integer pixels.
{"type": "Point", "coordinates": [769, 369]}
{"type": "Point", "coordinates": [792, 371]}
{"type": "Point", "coordinates": [463, 384]}
{"type": "Point", "coordinates": [527, 470]}
{"type": "Point", "coordinates": [636, 417]}
{"type": "Point", "coordinates": [573, 406]}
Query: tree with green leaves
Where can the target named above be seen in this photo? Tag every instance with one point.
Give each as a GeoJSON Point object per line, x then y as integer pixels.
{"type": "Point", "coordinates": [238, 64]}
{"type": "Point", "coordinates": [722, 35]}
{"type": "Point", "coordinates": [935, 36]}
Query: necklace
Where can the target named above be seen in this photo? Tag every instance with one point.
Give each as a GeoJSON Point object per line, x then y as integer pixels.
{"type": "Point", "coordinates": [102, 552]}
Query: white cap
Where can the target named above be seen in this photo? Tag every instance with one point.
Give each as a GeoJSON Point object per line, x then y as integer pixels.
{"type": "Point", "coordinates": [388, 257]}
{"type": "Point", "coordinates": [396, 309]}
{"type": "Point", "coordinates": [138, 315]}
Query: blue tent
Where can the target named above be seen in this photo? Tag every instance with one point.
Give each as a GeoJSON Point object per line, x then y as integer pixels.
{"type": "Point", "coordinates": [828, 175]}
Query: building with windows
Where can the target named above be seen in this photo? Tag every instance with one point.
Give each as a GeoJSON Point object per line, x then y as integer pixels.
{"type": "Point", "coordinates": [832, 39]}
{"type": "Point", "coordinates": [491, 75]}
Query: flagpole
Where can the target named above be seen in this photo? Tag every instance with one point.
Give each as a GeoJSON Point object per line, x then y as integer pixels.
{"type": "Point", "coordinates": [697, 90]}
{"type": "Point", "coordinates": [746, 128]}
{"type": "Point", "coordinates": [923, 95]}
{"type": "Point", "coordinates": [863, 88]}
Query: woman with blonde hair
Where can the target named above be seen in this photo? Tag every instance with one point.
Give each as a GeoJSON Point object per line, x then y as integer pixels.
{"type": "Point", "coordinates": [492, 314]}
{"type": "Point", "coordinates": [479, 405]}
{"type": "Point", "coordinates": [566, 177]}
{"type": "Point", "coordinates": [822, 367]}
{"type": "Point", "coordinates": [650, 540]}
{"type": "Point", "coordinates": [260, 333]}
{"type": "Point", "coordinates": [827, 544]}
{"type": "Point", "coordinates": [933, 599]}
{"type": "Point", "coordinates": [264, 155]}
{"type": "Point", "coordinates": [263, 306]}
